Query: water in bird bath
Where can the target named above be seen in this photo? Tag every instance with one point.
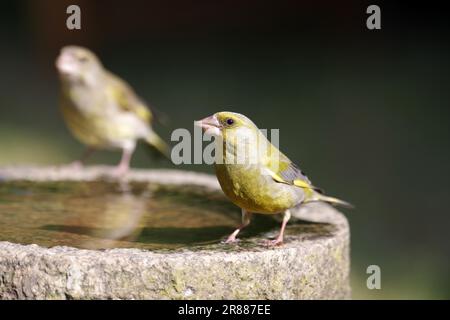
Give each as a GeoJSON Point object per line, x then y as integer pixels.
{"type": "Point", "coordinates": [98, 215]}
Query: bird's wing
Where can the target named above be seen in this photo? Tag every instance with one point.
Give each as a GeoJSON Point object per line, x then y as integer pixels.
{"type": "Point", "coordinates": [283, 170]}
{"type": "Point", "coordinates": [127, 99]}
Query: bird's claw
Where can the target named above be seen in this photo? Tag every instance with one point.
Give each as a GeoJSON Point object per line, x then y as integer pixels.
{"type": "Point", "coordinates": [120, 171]}
{"type": "Point", "coordinates": [231, 240]}
{"type": "Point", "coordinates": [75, 165]}
{"type": "Point", "coordinates": [273, 243]}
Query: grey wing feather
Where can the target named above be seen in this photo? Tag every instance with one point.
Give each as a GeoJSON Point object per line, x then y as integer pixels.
{"type": "Point", "coordinates": [292, 172]}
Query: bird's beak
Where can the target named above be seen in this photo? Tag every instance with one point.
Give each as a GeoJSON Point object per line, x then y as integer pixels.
{"type": "Point", "coordinates": [208, 123]}
{"type": "Point", "coordinates": [66, 64]}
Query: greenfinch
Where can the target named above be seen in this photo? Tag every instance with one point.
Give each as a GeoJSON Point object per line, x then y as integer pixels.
{"type": "Point", "coordinates": [254, 174]}
{"type": "Point", "coordinates": [100, 109]}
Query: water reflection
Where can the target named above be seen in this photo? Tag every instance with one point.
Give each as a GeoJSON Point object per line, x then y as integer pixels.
{"type": "Point", "coordinates": [100, 215]}
{"type": "Point", "coordinates": [94, 217]}
{"type": "Point", "coordinates": [122, 216]}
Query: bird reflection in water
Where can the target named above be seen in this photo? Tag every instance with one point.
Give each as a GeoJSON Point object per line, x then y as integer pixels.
{"type": "Point", "coordinates": [114, 219]}
{"type": "Point", "coordinates": [121, 218]}
{"type": "Point", "coordinates": [102, 215]}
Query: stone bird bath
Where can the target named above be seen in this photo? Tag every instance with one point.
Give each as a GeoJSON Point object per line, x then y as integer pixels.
{"type": "Point", "coordinates": [79, 234]}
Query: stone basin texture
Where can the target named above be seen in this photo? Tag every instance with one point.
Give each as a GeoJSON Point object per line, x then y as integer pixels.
{"type": "Point", "coordinates": [309, 265]}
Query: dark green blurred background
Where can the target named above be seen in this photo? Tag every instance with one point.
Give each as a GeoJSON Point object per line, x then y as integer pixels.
{"type": "Point", "coordinates": [365, 113]}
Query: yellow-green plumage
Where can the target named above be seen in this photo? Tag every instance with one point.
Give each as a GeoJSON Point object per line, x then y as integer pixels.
{"type": "Point", "coordinates": [254, 174]}
{"type": "Point", "coordinates": [99, 108]}
{"type": "Point", "coordinates": [252, 190]}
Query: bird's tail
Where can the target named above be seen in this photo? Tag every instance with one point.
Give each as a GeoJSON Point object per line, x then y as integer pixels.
{"type": "Point", "coordinates": [157, 143]}
{"type": "Point", "coordinates": [317, 196]}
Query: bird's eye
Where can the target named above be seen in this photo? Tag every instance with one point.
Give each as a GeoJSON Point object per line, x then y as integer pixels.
{"type": "Point", "coordinates": [230, 121]}
{"type": "Point", "coordinates": [83, 59]}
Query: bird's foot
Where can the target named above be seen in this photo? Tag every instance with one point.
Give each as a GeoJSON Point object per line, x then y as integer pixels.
{"type": "Point", "coordinates": [273, 243]}
{"type": "Point", "coordinates": [75, 165]}
{"type": "Point", "coordinates": [231, 239]}
{"type": "Point", "coordinates": [120, 171]}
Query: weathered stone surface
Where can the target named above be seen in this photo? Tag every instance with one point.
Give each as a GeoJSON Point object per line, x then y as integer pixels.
{"type": "Point", "coordinates": [311, 265]}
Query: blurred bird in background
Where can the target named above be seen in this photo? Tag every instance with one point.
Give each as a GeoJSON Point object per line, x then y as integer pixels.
{"type": "Point", "coordinates": [255, 175]}
{"type": "Point", "coordinates": [100, 109]}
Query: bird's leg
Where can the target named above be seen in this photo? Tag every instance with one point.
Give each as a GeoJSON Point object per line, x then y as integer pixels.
{"type": "Point", "coordinates": [246, 216]}
{"type": "Point", "coordinates": [77, 164]}
{"type": "Point", "coordinates": [279, 239]}
{"type": "Point", "coordinates": [124, 164]}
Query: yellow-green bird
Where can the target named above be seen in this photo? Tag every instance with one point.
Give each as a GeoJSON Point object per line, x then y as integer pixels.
{"type": "Point", "coordinates": [254, 174]}
{"type": "Point", "coordinates": [102, 110]}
